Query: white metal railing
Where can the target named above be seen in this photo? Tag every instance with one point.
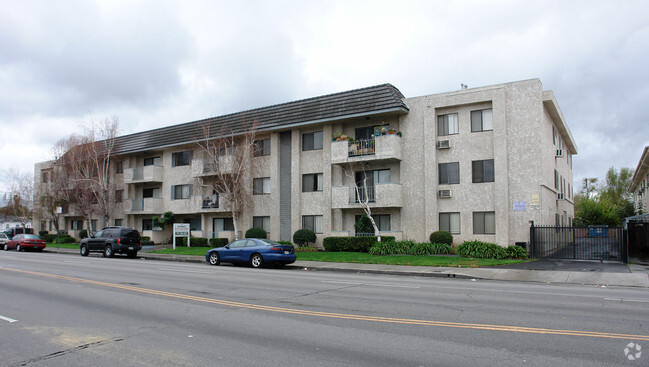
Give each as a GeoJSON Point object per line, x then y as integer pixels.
{"type": "Point", "coordinates": [362, 195]}
{"type": "Point", "coordinates": [362, 147]}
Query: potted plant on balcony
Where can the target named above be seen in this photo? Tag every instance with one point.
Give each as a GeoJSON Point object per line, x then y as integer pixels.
{"type": "Point", "coordinates": [339, 136]}
{"type": "Point", "coordinates": [392, 131]}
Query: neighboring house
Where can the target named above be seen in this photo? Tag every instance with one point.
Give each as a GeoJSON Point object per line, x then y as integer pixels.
{"type": "Point", "coordinates": [8, 223]}
{"type": "Point", "coordinates": [481, 163]}
{"type": "Point", "coordinates": [640, 183]}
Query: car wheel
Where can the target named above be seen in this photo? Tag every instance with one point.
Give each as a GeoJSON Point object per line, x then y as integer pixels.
{"type": "Point", "coordinates": [108, 251]}
{"type": "Point", "coordinates": [6, 247]}
{"type": "Point", "coordinates": [83, 250]}
{"type": "Point", "coordinates": [214, 258]}
{"type": "Point", "coordinates": [132, 254]}
{"type": "Point", "coordinates": [256, 261]}
{"type": "Point", "coordinates": [18, 248]}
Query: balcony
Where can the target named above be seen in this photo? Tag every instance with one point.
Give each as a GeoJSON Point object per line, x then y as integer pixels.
{"type": "Point", "coordinates": [379, 196]}
{"type": "Point", "coordinates": [147, 206]}
{"type": "Point", "coordinates": [204, 168]}
{"type": "Point", "coordinates": [383, 147]}
{"type": "Point", "coordinates": [144, 174]}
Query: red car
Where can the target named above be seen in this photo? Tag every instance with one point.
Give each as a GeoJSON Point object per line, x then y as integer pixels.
{"type": "Point", "coordinates": [23, 242]}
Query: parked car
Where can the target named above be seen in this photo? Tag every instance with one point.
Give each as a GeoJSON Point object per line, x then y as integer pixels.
{"type": "Point", "coordinates": [253, 251]}
{"type": "Point", "coordinates": [23, 242]}
{"type": "Point", "coordinates": [3, 239]}
{"type": "Point", "coordinates": [111, 241]}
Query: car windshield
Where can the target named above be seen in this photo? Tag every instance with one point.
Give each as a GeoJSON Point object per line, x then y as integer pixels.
{"type": "Point", "coordinates": [31, 237]}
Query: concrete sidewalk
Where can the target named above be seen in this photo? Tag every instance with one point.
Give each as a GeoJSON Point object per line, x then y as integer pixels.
{"type": "Point", "coordinates": [618, 275]}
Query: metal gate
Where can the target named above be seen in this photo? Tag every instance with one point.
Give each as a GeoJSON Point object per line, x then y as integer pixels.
{"type": "Point", "coordinates": [578, 243]}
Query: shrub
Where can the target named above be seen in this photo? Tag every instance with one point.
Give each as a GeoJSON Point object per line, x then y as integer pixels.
{"type": "Point", "coordinates": [351, 244]}
{"type": "Point", "coordinates": [481, 250]}
{"type": "Point", "coordinates": [42, 233]}
{"type": "Point", "coordinates": [194, 242]}
{"type": "Point", "coordinates": [289, 243]}
{"type": "Point", "coordinates": [306, 249]}
{"type": "Point", "coordinates": [303, 237]}
{"type": "Point", "coordinates": [364, 225]}
{"type": "Point", "coordinates": [390, 247]}
{"type": "Point", "coordinates": [145, 238]}
{"type": "Point", "coordinates": [426, 248]}
{"type": "Point", "coordinates": [48, 237]}
{"type": "Point", "coordinates": [441, 237]}
{"type": "Point", "coordinates": [218, 242]}
{"type": "Point", "coordinates": [255, 233]}
{"type": "Point", "coordinates": [516, 252]}
{"type": "Point", "coordinates": [83, 233]}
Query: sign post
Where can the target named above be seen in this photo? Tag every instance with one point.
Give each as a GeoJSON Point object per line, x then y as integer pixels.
{"type": "Point", "coordinates": [181, 230]}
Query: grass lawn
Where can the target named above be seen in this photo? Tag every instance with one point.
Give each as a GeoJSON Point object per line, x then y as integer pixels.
{"type": "Point", "coordinates": [63, 245]}
{"type": "Point", "coordinates": [363, 258]}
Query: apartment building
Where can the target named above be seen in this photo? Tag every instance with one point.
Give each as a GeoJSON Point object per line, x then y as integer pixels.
{"type": "Point", "coordinates": [481, 163]}
{"type": "Point", "coordinates": [640, 183]}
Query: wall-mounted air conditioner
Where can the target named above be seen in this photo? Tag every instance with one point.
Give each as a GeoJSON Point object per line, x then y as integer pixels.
{"type": "Point", "coordinates": [443, 193]}
{"type": "Point", "coordinates": [443, 144]}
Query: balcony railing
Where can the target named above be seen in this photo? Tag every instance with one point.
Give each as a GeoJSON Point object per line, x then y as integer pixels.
{"type": "Point", "coordinates": [362, 195]}
{"type": "Point", "coordinates": [384, 147]}
{"type": "Point", "coordinates": [362, 147]}
{"type": "Point", "coordinates": [144, 174]}
{"type": "Point", "coordinates": [388, 195]}
{"type": "Point", "coordinates": [147, 205]}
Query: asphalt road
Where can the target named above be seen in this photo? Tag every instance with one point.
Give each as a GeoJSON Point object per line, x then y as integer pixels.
{"type": "Point", "coordinates": [71, 311]}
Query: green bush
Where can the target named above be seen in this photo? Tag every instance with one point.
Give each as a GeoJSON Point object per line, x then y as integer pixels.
{"type": "Point", "coordinates": [352, 244]}
{"type": "Point", "coordinates": [83, 233]}
{"type": "Point", "coordinates": [42, 233]}
{"type": "Point", "coordinates": [390, 247]}
{"type": "Point", "coordinates": [255, 233]}
{"type": "Point", "coordinates": [481, 250]}
{"type": "Point", "coordinates": [146, 242]}
{"type": "Point", "coordinates": [516, 252]}
{"type": "Point", "coordinates": [48, 237]}
{"type": "Point", "coordinates": [364, 225]}
{"type": "Point", "coordinates": [306, 249]}
{"type": "Point", "coordinates": [441, 237]}
{"type": "Point", "coordinates": [194, 242]}
{"type": "Point", "coordinates": [426, 248]}
{"type": "Point", "coordinates": [302, 237]}
{"type": "Point", "coordinates": [289, 243]}
{"type": "Point", "coordinates": [145, 238]}
{"type": "Point", "coordinates": [218, 242]}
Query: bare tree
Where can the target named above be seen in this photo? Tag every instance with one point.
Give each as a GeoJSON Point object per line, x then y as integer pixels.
{"type": "Point", "coordinates": [365, 193]}
{"type": "Point", "coordinates": [228, 164]}
{"type": "Point", "coordinates": [20, 197]}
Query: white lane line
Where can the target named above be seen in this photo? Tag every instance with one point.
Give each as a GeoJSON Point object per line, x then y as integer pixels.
{"type": "Point", "coordinates": [627, 300]}
{"type": "Point", "coordinates": [176, 270]}
{"type": "Point", "coordinates": [8, 319]}
{"type": "Point", "coordinates": [374, 284]}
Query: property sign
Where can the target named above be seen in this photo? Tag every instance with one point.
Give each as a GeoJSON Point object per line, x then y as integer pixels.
{"type": "Point", "coordinates": [520, 205]}
{"type": "Point", "coordinates": [181, 230]}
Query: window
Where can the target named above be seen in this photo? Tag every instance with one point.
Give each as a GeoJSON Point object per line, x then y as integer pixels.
{"type": "Point", "coordinates": [312, 222]}
{"type": "Point", "coordinates": [481, 120]}
{"type": "Point", "coordinates": [261, 186]}
{"type": "Point", "coordinates": [153, 161]}
{"type": "Point", "coordinates": [147, 224]}
{"type": "Point", "coordinates": [261, 222]}
{"type": "Point", "coordinates": [119, 196]}
{"type": "Point", "coordinates": [312, 182]}
{"type": "Point", "coordinates": [223, 224]}
{"type": "Point", "coordinates": [181, 192]}
{"type": "Point", "coordinates": [449, 173]}
{"type": "Point", "coordinates": [43, 225]}
{"type": "Point", "coordinates": [152, 192]}
{"type": "Point", "coordinates": [118, 222]}
{"type": "Point", "coordinates": [194, 223]}
{"type": "Point", "coordinates": [76, 225]}
{"type": "Point", "coordinates": [93, 225]}
{"type": "Point", "coordinates": [262, 147]}
{"type": "Point", "coordinates": [312, 141]}
{"type": "Point", "coordinates": [447, 124]}
{"type": "Point", "coordinates": [554, 135]}
{"type": "Point", "coordinates": [449, 222]}
{"type": "Point", "coordinates": [119, 167]}
{"type": "Point", "coordinates": [556, 179]}
{"type": "Point", "coordinates": [484, 223]}
{"type": "Point", "coordinates": [181, 158]}
{"type": "Point", "coordinates": [381, 176]}
{"type": "Point", "coordinates": [382, 221]}
{"type": "Point", "coordinates": [44, 176]}
{"type": "Point", "coordinates": [483, 171]}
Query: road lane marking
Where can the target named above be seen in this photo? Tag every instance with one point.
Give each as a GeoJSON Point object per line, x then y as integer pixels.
{"type": "Point", "coordinates": [374, 284]}
{"type": "Point", "coordinates": [7, 319]}
{"type": "Point", "coordinates": [626, 300]}
{"type": "Point", "coordinates": [432, 323]}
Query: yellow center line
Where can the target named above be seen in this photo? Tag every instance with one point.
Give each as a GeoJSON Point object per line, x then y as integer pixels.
{"type": "Point", "coordinates": [516, 329]}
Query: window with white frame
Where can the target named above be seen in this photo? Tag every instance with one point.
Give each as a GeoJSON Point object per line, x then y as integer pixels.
{"type": "Point", "coordinates": [449, 173]}
{"type": "Point", "coordinates": [147, 224]}
{"type": "Point", "coordinates": [76, 225]}
{"type": "Point", "coordinates": [312, 222]}
{"type": "Point", "coordinates": [448, 124]}
{"type": "Point", "coordinates": [179, 192]}
{"type": "Point", "coordinates": [312, 141]}
{"type": "Point", "coordinates": [262, 222]}
{"type": "Point", "coordinates": [381, 176]}
{"type": "Point", "coordinates": [119, 222]}
{"type": "Point", "coordinates": [223, 224]}
{"type": "Point", "coordinates": [482, 120]}
{"type": "Point", "coordinates": [181, 158]}
{"type": "Point", "coordinates": [261, 186]}
{"type": "Point", "coordinates": [262, 147]}
{"type": "Point", "coordinates": [194, 223]}
{"type": "Point", "coordinates": [449, 222]}
{"type": "Point", "coordinates": [483, 171]}
{"type": "Point", "coordinates": [484, 223]}
{"type": "Point", "coordinates": [312, 182]}
{"type": "Point", "coordinates": [382, 222]}
{"type": "Point", "coordinates": [153, 161]}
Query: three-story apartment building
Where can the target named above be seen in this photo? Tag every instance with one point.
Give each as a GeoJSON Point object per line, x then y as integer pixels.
{"type": "Point", "coordinates": [480, 163]}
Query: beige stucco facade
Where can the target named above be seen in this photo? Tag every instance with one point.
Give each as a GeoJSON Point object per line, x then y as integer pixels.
{"type": "Point", "coordinates": [530, 145]}
{"type": "Point", "coordinates": [640, 183]}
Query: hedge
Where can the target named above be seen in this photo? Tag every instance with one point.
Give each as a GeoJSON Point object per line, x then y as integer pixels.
{"type": "Point", "coordinates": [481, 250]}
{"type": "Point", "coordinates": [64, 238]}
{"type": "Point", "coordinates": [194, 242]}
{"type": "Point", "coordinates": [351, 244]}
{"type": "Point", "coordinates": [218, 242]}
{"type": "Point", "coordinates": [255, 233]}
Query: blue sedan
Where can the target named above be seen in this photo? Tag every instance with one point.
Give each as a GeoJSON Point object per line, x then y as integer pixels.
{"type": "Point", "coordinates": [253, 251]}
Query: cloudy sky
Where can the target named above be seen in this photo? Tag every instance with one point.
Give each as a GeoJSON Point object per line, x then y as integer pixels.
{"type": "Point", "coordinates": [158, 63]}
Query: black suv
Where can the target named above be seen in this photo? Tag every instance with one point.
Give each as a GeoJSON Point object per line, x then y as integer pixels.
{"type": "Point", "coordinates": [112, 240]}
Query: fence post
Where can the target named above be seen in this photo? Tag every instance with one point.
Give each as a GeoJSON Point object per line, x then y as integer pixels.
{"type": "Point", "coordinates": [532, 240]}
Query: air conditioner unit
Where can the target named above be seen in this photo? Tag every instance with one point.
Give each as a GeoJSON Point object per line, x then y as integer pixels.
{"type": "Point", "coordinates": [559, 152]}
{"type": "Point", "coordinates": [560, 196]}
{"type": "Point", "coordinates": [443, 144]}
{"type": "Point", "coordinates": [443, 193]}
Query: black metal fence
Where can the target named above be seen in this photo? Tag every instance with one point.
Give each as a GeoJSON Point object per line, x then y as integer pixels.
{"type": "Point", "coordinates": [577, 243]}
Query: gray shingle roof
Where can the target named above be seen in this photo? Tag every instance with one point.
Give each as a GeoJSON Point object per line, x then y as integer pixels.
{"type": "Point", "coordinates": [360, 102]}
